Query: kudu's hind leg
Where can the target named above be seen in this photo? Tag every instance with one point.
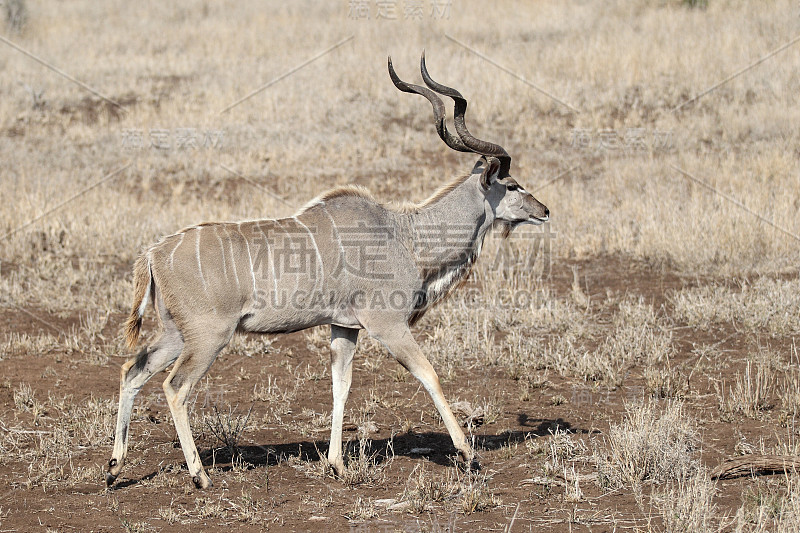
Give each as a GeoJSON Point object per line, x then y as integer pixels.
{"type": "Point", "coordinates": [343, 346]}
{"type": "Point", "coordinates": [194, 362]}
{"type": "Point", "coordinates": [135, 373]}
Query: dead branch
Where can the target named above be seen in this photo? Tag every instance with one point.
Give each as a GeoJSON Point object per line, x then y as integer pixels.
{"type": "Point", "coordinates": [755, 464]}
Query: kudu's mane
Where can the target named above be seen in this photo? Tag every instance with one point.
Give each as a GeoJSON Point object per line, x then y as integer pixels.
{"type": "Point", "coordinates": [357, 191]}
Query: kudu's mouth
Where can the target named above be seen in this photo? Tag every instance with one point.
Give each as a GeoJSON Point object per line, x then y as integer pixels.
{"type": "Point", "coordinates": [539, 220]}
{"type": "Point", "coordinates": [532, 219]}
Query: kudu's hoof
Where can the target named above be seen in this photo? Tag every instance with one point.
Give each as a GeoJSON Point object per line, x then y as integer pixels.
{"type": "Point", "coordinates": [110, 477]}
{"type": "Point", "coordinates": [467, 463]}
{"type": "Point", "coordinates": [337, 470]}
{"type": "Point", "coordinates": [202, 482]}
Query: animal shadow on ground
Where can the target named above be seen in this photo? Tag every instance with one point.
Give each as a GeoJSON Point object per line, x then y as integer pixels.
{"type": "Point", "coordinates": [437, 447]}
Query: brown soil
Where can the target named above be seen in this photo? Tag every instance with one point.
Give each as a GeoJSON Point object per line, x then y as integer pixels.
{"type": "Point", "coordinates": [293, 501]}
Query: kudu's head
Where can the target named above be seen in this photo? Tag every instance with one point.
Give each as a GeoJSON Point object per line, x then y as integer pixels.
{"type": "Point", "coordinates": [511, 204]}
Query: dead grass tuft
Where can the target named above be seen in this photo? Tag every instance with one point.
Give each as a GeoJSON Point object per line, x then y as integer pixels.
{"type": "Point", "coordinates": [466, 493]}
{"type": "Point", "coordinates": [687, 505]}
{"type": "Point", "coordinates": [649, 445]}
{"type": "Point", "coordinates": [361, 511]}
{"type": "Point", "coordinates": [363, 466]}
{"type": "Point", "coordinates": [770, 506]}
{"type": "Point", "coordinates": [227, 428]}
{"type": "Point", "coordinates": [751, 393]}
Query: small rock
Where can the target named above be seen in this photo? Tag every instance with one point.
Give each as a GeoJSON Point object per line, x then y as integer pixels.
{"type": "Point", "coordinates": [367, 428]}
{"type": "Point", "coordinates": [421, 451]}
{"type": "Point", "coordinates": [400, 506]}
{"type": "Point", "coordinates": [385, 502]}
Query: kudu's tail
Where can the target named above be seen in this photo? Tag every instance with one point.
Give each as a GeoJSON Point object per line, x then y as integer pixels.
{"type": "Point", "coordinates": [142, 291]}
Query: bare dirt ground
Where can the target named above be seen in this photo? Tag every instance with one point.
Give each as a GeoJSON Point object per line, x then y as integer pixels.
{"type": "Point", "coordinates": [277, 482]}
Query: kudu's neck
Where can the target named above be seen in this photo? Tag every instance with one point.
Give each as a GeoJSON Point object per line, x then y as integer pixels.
{"type": "Point", "coordinates": [448, 233]}
{"type": "Point", "coordinates": [460, 210]}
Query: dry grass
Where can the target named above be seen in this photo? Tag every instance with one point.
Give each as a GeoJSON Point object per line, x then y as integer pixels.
{"type": "Point", "coordinates": [650, 445]}
{"type": "Point", "coordinates": [227, 427]}
{"type": "Point", "coordinates": [657, 214]}
{"type": "Point", "coordinates": [50, 435]}
{"type": "Point", "coordinates": [16, 14]}
{"type": "Point", "coordinates": [635, 336]}
{"type": "Point", "coordinates": [765, 306]}
{"type": "Point", "coordinates": [364, 466]}
{"type": "Point", "coordinates": [687, 505]}
{"type": "Point", "coordinates": [770, 506]}
{"type": "Point", "coordinates": [465, 493]}
{"type": "Point", "coordinates": [750, 394]}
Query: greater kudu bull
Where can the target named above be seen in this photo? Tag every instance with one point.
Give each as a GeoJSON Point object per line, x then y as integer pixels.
{"type": "Point", "coordinates": [276, 276]}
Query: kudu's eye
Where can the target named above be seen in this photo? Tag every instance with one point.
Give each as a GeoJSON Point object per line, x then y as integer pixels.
{"type": "Point", "coordinates": [512, 187]}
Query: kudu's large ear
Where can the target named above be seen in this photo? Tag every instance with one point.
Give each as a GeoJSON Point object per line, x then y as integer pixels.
{"type": "Point", "coordinates": [489, 167]}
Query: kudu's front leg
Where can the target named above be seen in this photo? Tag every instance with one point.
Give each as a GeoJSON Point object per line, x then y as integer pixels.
{"type": "Point", "coordinates": [408, 353]}
{"type": "Point", "coordinates": [343, 346]}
